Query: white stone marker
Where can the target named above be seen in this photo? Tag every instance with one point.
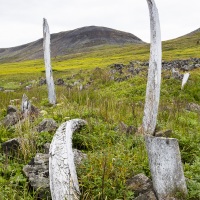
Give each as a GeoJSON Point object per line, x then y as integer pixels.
{"type": "Point", "coordinates": [62, 172]}
{"type": "Point", "coordinates": [47, 60]}
{"type": "Point", "coordinates": [166, 167]}
{"type": "Point", "coordinates": [154, 72]}
{"type": "Point", "coordinates": [185, 79]}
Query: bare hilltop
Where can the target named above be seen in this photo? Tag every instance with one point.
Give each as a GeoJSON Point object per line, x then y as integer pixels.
{"type": "Point", "coordinates": [73, 41]}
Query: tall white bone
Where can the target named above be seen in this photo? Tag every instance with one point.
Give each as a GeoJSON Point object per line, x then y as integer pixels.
{"type": "Point", "coordinates": [47, 60]}
{"type": "Point", "coordinates": [154, 72]}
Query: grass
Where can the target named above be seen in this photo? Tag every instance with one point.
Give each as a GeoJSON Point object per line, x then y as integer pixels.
{"type": "Point", "coordinates": [113, 156]}
{"type": "Point", "coordinates": [181, 48]}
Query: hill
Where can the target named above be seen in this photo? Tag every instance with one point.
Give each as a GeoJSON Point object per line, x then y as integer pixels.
{"type": "Point", "coordinates": [74, 41]}
{"type": "Point", "coordinates": [195, 31]}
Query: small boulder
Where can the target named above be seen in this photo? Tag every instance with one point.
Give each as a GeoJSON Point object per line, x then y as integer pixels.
{"type": "Point", "coordinates": [147, 196]}
{"type": "Point", "coordinates": [11, 109]}
{"type": "Point", "coordinates": [122, 127]}
{"type": "Point", "coordinates": [34, 111]}
{"type": "Point", "coordinates": [46, 147]}
{"type": "Point", "coordinates": [78, 156]}
{"type": "Point", "coordinates": [37, 171]}
{"type": "Point", "coordinates": [59, 81]}
{"type": "Point", "coordinates": [42, 81]}
{"type": "Point", "coordinates": [176, 74]}
{"type": "Point", "coordinates": [197, 66]}
{"type": "Point", "coordinates": [11, 119]}
{"type": "Point", "coordinates": [47, 125]}
{"type": "Point", "coordinates": [131, 70]}
{"type": "Point", "coordinates": [166, 133]}
{"type": "Point", "coordinates": [11, 146]}
{"type": "Point", "coordinates": [193, 107]}
{"type": "Point", "coordinates": [140, 184]}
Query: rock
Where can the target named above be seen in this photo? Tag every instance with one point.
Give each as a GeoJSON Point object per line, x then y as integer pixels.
{"type": "Point", "coordinates": [126, 129]}
{"type": "Point", "coordinates": [11, 119]}
{"type": "Point", "coordinates": [113, 71]}
{"type": "Point", "coordinates": [47, 125]}
{"type": "Point", "coordinates": [46, 147]}
{"type": "Point", "coordinates": [78, 156]}
{"type": "Point", "coordinates": [28, 87]}
{"type": "Point", "coordinates": [34, 111]}
{"type": "Point", "coordinates": [131, 130]}
{"type": "Point", "coordinates": [11, 109]}
{"type": "Point", "coordinates": [176, 74]}
{"type": "Point", "coordinates": [37, 172]}
{"type": "Point", "coordinates": [11, 146]}
{"type": "Point", "coordinates": [185, 68]}
{"type": "Point", "coordinates": [147, 196]}
{"type": "Point", "coordinates": [59, 81]}
{"type": "Point", "coordinates": [139, 184]}
{"type": "Point", "coordinates": [42, 81]}
{"type": "Point", "coordinates": [131, 70]}
{"type": "Point", "coordinates": [137, 70]}
{"type": "Point", "coordinates": [196, 65]}
{"type": "Point", "coordinates": [193, 107]}
{"type": "Point", "coordinates": [166, 133]}
{"type": "Point", "coordinates": [118, 68]}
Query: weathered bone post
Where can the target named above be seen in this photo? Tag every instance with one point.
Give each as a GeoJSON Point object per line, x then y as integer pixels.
{"type": "Point", "coordinates": [47, 60]}
{"type": "Point", "coordinates": [163, 153]}
{"type": "Point", "coordinates": [62, 172]}
{"type": "Point", "coordinates": [166, 167]}
{"type": "Point", "coordinates": [154, 72]}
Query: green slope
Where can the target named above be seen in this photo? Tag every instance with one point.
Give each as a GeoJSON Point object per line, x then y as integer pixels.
{"type": "Point", "coordinates": [113, 154]}
{"type": "Point", "coordinates": [180, 48]}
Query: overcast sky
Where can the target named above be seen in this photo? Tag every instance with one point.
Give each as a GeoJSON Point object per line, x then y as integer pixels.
{"type": "Point", "coordinates": [21, 20]}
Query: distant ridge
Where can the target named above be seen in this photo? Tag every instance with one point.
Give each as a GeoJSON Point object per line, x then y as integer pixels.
{"type": "Point", "coordinates": [193, 32]}
{"type": "Point", "coordinates": [74, 41]}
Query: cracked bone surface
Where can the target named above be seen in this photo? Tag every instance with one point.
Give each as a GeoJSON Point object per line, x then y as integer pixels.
{"type": "Point", "coordinates": [62, 171]}
{"type": "Point", "coordinates": [154, 72]}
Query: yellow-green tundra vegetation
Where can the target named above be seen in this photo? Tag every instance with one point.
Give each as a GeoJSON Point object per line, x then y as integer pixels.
{"type": "Point", "coordinates": [113, 156]}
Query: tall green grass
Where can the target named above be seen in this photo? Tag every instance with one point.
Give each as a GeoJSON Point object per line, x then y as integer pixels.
{"type": "Point", "coordinates": [113, 155]}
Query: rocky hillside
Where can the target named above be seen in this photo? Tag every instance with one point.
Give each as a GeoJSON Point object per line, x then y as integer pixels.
{"type": "Point", "coordinates": [74, 41]}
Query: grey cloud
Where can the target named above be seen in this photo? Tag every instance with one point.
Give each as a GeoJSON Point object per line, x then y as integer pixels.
{"type": "Point", "coordinates": [21, 20]}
